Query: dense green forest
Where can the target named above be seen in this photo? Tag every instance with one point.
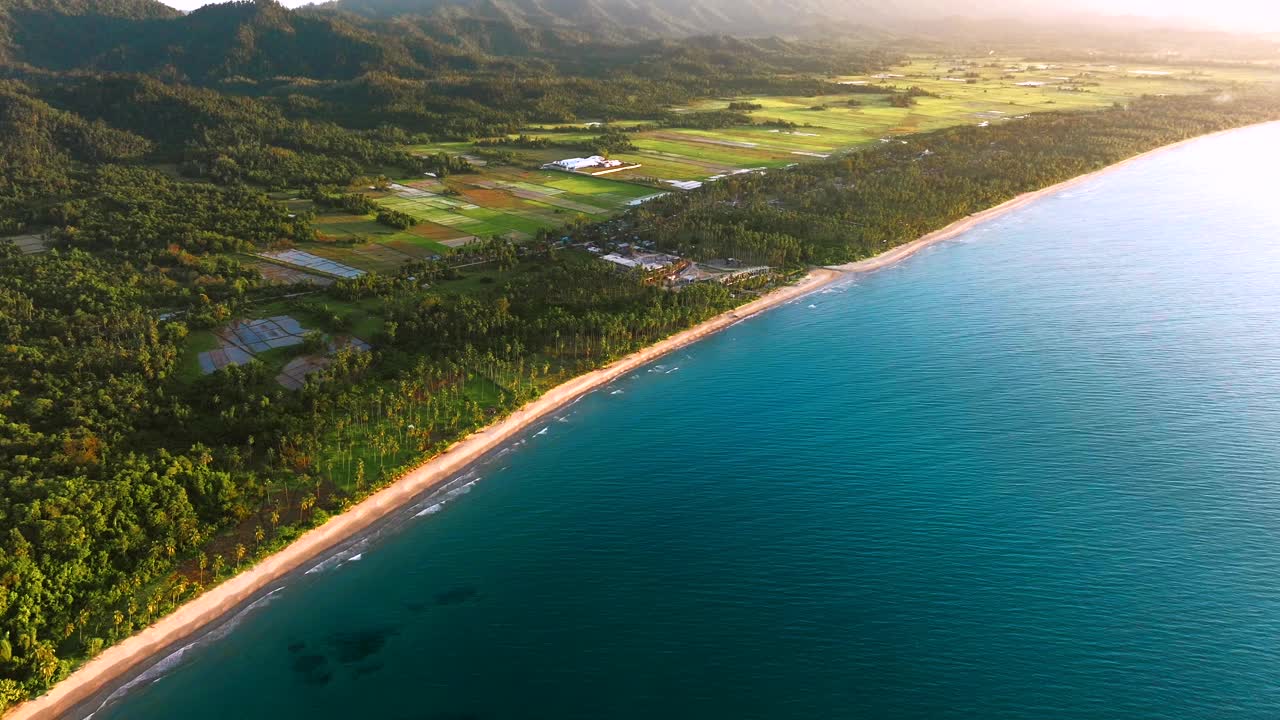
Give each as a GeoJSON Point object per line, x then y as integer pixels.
{"type": "Point", "coordinates": [142, 154]}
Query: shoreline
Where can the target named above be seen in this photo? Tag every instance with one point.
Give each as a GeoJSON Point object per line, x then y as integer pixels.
{"type": "Point", "coordinates": [113, 667]}
{"type": "Point", "coordinates": [899, 253]}
{"type": "Point", "coordinates": [108, 670]}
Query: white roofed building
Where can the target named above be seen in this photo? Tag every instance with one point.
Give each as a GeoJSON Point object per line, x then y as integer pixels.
{"type": "Point", "coordinates": [595, 161]}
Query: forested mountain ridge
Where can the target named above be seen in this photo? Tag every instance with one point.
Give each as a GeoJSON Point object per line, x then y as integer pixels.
{"type": "Point", "coordinates": [631, 19]}
{"type": "Point", "coordinates": [1002, 23]}
{"type": "Point", "coordinates": [262, 40]}
{"type": "Point", "coordinates": [22, 21]}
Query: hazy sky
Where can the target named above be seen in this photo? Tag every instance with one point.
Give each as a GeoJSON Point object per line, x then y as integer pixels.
{"type": "Point", "coordinates": [1258, 15]}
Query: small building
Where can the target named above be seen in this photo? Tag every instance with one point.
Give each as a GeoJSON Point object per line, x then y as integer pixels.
{"type": "Point", "coordinates": [617, 259]}
{"type": "Point", "coordinates": [684, 184]}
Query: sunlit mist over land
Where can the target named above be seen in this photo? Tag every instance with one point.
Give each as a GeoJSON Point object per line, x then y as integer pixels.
{"type": "Point", "coordinates": [1239, 15]}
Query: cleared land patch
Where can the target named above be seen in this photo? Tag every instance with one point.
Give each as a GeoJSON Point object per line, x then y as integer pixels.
{"type": "Point", "coordinates": [294, 374]}
{"type": "Point", "coordinates": [28, 244]}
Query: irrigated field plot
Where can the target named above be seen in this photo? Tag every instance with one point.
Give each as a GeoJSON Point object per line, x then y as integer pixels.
{"type": "Point", "coordinates": [285, 275]}
{"type": "Point", "coordinates": [505, 201]}
{"type": "Point", "coordinates": [313, 263]}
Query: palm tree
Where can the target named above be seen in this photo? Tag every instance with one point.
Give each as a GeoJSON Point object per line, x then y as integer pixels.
{"type": "Point", "coordinates": [177, 590]}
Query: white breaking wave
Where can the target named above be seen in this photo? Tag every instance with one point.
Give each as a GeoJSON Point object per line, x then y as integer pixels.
{"type": "Point", "coordinates": [337, 560]}
{"type": "Point", "coordinates": [157, 672]}
{"type": "Point", "coordinates": [460, 485]}
{"type": "Point", "coordinates": [461, 489]}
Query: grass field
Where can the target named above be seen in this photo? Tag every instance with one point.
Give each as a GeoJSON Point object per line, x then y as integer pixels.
{"type": "Point", "coordinates": [197, 342]}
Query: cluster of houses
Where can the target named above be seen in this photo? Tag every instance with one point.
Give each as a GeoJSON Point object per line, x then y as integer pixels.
{"type": "Point", "coordinates": [673, 270]}
{"type": "Point", "coordinates": [649, 262]}
{"type": "Point", "coordinates": [629, 257]}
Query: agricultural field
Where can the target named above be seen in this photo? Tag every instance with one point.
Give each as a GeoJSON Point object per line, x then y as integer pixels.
{"type": "Point", "coordinates": [968, 91]}
{"type": "Point", "coordinates": [501, 201]}
{"type": "Point", "coordinates": [504, 201]}
{"type": "Point", "coordinates": [517, 202]}
{"type": "Point", "coordinates": [359, 241]}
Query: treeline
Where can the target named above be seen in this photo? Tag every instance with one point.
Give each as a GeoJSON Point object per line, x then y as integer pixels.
{"type": "Point", "coordinates": [863, 203]}
{"type": "Point", "coordinates": [609, 142]}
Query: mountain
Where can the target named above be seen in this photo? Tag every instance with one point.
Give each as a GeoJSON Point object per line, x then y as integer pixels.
{"type": "Point", "coordinates": [24, 22]}
{"type": "Point", "coordinates": [260, 39]}
{"type": "Point", "coordinates": [615, 20]}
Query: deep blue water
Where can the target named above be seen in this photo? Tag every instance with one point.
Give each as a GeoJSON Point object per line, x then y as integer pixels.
{"type": "Point", "coordinates": [1033, 473]}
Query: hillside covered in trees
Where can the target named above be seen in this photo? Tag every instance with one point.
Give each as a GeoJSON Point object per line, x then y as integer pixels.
{"type": "Point", "coordinates": [141, 157]}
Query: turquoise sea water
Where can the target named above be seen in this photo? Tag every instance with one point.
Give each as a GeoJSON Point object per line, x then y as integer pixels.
{"type": "Point", "coordinates": [1033, 473]}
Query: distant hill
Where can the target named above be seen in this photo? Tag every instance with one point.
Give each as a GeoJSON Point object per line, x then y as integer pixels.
{"type": "Point", "coordinates": [237, 39]}
{"type": "Point", "coordinates": [21, 21]}
{"type": "Point", "coordinates": [262, 40]}
{"type": "Point", "coordinates": [346, 39]}
{"type": "Point", "coordinates": [614, 20]}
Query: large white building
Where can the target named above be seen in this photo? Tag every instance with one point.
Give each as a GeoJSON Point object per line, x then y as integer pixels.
{"type": "Point", "coordinates": [576, 164]}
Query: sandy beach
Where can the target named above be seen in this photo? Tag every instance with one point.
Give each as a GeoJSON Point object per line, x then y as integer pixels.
{"type": "Point", "coordinates": [965, 224]}
{"type": "Point", "coordinates": [190, 619]}
{"type": "Point", "coordinates": [111, 667]}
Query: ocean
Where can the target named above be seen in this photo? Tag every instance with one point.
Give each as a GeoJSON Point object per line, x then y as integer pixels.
{"type": "Point", "coordinates": [1031, 473]}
